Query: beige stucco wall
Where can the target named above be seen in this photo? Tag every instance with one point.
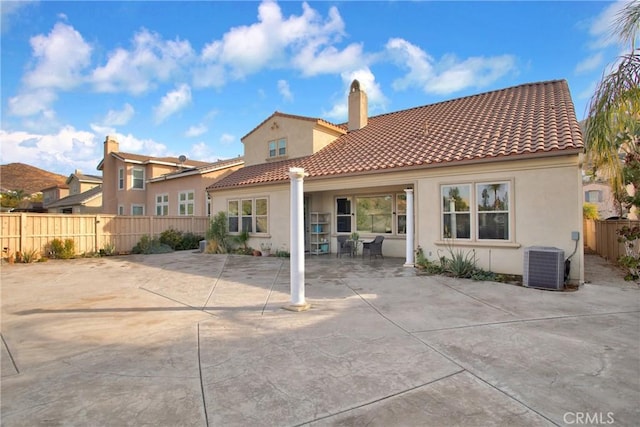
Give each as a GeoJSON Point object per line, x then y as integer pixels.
{"type": "Point", "coordinates": [197, 183]}
{"type": "Point", "coordinates": [304, 137]}
{"type": "Point", "coordinates": [546, 203]}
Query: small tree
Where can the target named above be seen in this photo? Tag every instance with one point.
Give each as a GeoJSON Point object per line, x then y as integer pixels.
{"type": "Point", "coordinates": [218, 233]}
{"type": "Point", "coordinates": [590, 211]}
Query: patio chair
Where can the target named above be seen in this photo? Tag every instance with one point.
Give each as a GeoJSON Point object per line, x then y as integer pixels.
{"type": "Point", "coordinates": [345, 246]}
{"type": "Point", "coordinates": [374, 247]}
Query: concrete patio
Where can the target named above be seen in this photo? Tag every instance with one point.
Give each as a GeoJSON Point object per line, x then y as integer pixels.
{"type": "Point", "coordinates": [194, 339]}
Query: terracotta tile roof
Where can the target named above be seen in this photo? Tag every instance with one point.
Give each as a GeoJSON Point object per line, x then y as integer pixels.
{"type": "Point", "coordinates": [526, 120]}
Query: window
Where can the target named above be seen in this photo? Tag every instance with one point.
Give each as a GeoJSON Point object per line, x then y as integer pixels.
{"type": "Point", "coordinates": [120, 210]}
{"type": "Point", "coordinates": [374, 214]}
{"type": "Point", "coordinates": [401, 213]}
{"type": "Point", "coordinates": [493, 210]}
{"type": "Point", "coordinates": [262, 219]}
{"type": "Point", "coordinates": [593, 196]}
{"type": "Point", "coordinates": [488, 219]}
{"type": "Point", "coordinates": [137, 209]}
{"type": "Point", "coordinates": [121, 179]}
{"type": "Point", "coordinates": [456, 218]}
{"type": "Point", "coordinates": [208, 204]}
{"type": "Point", "coordinates": [278, 148]}
{"type": "Point", "coordinates": [186, 203]}
{"type": "Point", "coordinates": [343, 215]}
{"type": "Point", "coordinates": [232, 216]}
{"type": "Point", "coordinates": [137, 181]}
{"type": "Point", "coordinates": [162, 204]}
{"type": "Point", "coordinates": [248, 215]}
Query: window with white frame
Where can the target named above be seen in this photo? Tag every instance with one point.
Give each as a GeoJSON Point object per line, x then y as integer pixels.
{"type": "Point", "coordinates": [476, 211]}
{"type": "Point", "coordinates": [374, 214]}
{"type": "Point", "coordinates": [278, 148]}
{"type": "Point", "coordinates": [493, 210]}
{"type": "Point", "coordinates": [120, 209]}
{"type": "Point", "coordinates": [250, 215]}
{"type": "Point", "coordinates": [162, 204]}
{"type": "Point", "coordinates": [456, 211]}
{"type": "Point", "coordinates": [186, 203]}
{"type": "Point", "coordinates": [343, 215]}
{"type": "Point", "coordinates": [121, 179]}
{"type": "Point", "coordinates": [137, 210]}
{"type": "Point", "coordinates": [593, 196]}
{"type": "Point", "coordinates": [208, 204]}
{"type": "Point", "coordinates": [137, 178]}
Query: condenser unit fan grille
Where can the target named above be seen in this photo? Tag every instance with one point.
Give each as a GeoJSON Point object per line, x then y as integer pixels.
{"type": "Point", "coordinates": [543, 268]}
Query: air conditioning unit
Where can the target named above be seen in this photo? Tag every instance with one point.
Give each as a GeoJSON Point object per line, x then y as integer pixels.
{"type": "Point", "coordinates": [543, 268]}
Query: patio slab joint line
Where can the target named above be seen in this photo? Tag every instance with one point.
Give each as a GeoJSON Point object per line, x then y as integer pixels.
{"type": "Point", "coordinates": [476, 299]}
{"type": "Point", "coordinates": [213, 288]}
{"type": "Point", "coordinates": [535, 319]}
{"type": "Point", "coordinates": [204, 399]}
{"type": "Point", "coordinates": [13, 362]}
{"type": "Point", "coordinates": [275, 279]}
{"type": "Point", "coordinates": [380, 399]}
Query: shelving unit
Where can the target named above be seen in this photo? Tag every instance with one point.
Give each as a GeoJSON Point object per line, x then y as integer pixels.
{"type": "Point", "coordinates": [320, 233]}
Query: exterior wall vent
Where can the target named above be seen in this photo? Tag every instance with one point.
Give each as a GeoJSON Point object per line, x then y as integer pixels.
{"type": "Point", "coordinates": [543, 268]}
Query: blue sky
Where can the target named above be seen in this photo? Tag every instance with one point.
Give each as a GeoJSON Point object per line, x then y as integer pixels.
{"type": "Point", "coordinates": [172, 78]}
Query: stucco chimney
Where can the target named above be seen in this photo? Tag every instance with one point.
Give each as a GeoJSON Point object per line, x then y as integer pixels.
{"type": "Point", "coordinates": [110, 145]}
{"type": "Point", "coordinates": [358, 107]}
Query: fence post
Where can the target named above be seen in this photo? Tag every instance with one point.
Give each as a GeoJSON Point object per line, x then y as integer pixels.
{"type": "Point", "coordinates": [97, 234]}
{"type": "Point", "coordinates": [23, 232]}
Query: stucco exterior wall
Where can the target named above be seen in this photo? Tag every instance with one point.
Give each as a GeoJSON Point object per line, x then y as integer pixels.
{"type": "Point", "coordinates": [173, 187]}
{"type": "Point", "coordinates": [304, 137]}
{"type": "Point", "coordinates": [546, 206]}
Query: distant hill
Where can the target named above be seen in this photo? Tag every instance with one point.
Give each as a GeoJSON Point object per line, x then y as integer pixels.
{"type": "Point", "coordinates": [30, 179]}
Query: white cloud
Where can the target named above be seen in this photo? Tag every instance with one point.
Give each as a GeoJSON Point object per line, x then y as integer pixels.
{"type": "Point", "coordinates": [131, 144]}
{"type": "Point", "coordinates": [591, 63]}
{"type": "Point", "coordinates": [9, 10]}
{"type": "Point", "coordinates": [119, 117]}
{"type": "Point", "coordinates": [376, 99]}
{"type": "Point", "coordinates": [450, 74]}
{"type": "Point", "coordinates": [227, 138]}
{"type": "Point", "coordinates": [150, 60]}
{"type": "Point", "coordinates": [195, 131]}
{"type": "Point", "coordinates": [306, 38]}
{"type": "Point", "coordinates": [61, 152]}
{"type": "Point", "coordinates": [601, 28]}
{"type": "Point", "coordinates": [285, 90]}
{"type": "Point", "coordinates": [59, 59]}
{"type": "Point", "coordinates": [32, 102]}
{"type": "Point", "coordinates": [173, 102]}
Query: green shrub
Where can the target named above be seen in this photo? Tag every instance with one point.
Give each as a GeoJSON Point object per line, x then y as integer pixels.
{"type": "Point", "coordinates": [61, 250]}
{"type": "Point", "coordinates": [171, 238]}
{"type": "Point", "coordinates": [191, 241]}
{"type": "Point", "coordinates": [218, 233]}
{"type": "Point", "coordinates": [147, 246]}
{"type": "Point", "coordinates": [460, 264]}
{"type": "Point", "coordinates": [590, 211]}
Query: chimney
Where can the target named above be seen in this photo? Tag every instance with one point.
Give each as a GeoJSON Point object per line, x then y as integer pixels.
{"type": "Point", "coordinates": [78, 172]}
{"type": "Point", "coordinates": [110, 146]}
{"type": "Point", "coordinates": [358, 107]}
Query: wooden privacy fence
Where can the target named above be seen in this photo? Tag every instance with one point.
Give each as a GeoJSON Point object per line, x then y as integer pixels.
{"type": "Point", "coordinates": [601, 237]}
{"type": "Point", "coordinates": [27, 232]}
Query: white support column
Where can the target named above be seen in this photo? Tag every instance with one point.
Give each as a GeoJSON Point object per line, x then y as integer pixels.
{"type": "Point", "coordinates": [298, 302]}
{"type": "Point", "coordinates": [409, 232]}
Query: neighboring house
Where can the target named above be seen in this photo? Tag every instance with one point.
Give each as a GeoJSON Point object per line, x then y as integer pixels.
{"type": "Point", "coordinates": [489, 175]}
{"type": "Point", "coordinates": [600, 194]}
{"type": "Point", "coordinates": [87, 202]}
{"type": "Point", "coordinates": [84, 195]}
{"type": "Point", "coordinates": [135, 184]}
{"type": "Point", "coordinates": [53, 194]}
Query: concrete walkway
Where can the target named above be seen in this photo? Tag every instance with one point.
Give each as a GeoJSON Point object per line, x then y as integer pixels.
{"type": "Point", "coordinates": [193, 339]}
